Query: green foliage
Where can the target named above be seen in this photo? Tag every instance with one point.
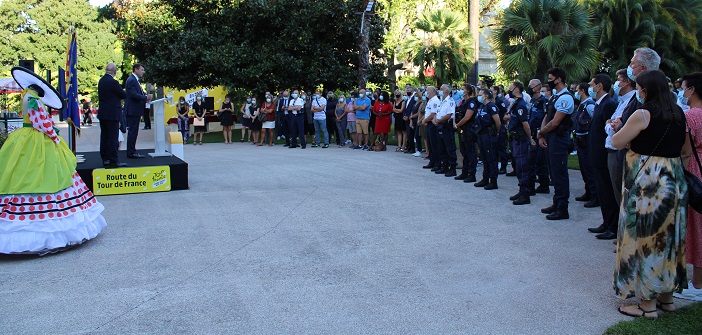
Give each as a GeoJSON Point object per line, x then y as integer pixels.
{"type": "Point", "coordinates": [284, 44]}
{"type": "Point", "coordinates": [442, 41]}
{"type": "Point", "coordinates": [39, 30]}
{"type": "Point", "coordinates": [535, 35]}
{"type": "Point", "coordinates": [685, 321]}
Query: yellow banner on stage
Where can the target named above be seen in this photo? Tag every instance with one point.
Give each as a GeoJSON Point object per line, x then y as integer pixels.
{"type": "Point", "coordinates": [132, 180]}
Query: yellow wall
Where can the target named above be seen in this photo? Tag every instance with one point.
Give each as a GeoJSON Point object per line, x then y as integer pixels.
{"type": "Point", "coordinates": [170, 109]}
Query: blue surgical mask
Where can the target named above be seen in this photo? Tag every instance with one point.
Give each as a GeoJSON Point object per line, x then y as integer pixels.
{"type": "Point", "coordinates": [683, 99]}
{"type": "Point", "coordinates": [294, 95]}
{"type": "Point", "coordinates": [499, 95]}
{"type": "Point", "coordinates": [616, 87]}
{"type": "Point", "coordinates": [381, 98]}
{"type": "Point", "coordinates": [341, 99]}
{"type": "Point", "coordinates": [424, 97]}
{"type": "Point", "coordinates": [416, 99]}
{"type": "Point", "coordinates": [553, 91]}
{"type": "Point", "coordinates": [253, 102]}
{"type": "Point", "coordinates": [576, 97]}
{"type": "Point", "coordinates": [481, 99]}
{"type": "Point", "coordinates": [199, 98]}
{"type": "Point", "coordinates": [441, 94]}
{"type": "Point", "coordinates": [304, 97]}
{"type": "Point", "coordinates": [182, 102]}
{"type": "Point", "coordinates": [639, 98]}
{"type": "Point", "coordinates": [368, 93]}
{"type": "Point", "coordinates": [268, 100]}
{"type": "Point", "coordinates": [316, 96]}
{"type": "Point", "coordinates": [630, 73]}
{"type": "Point", "coordinates": [591, 93]}
{"type": "Point", "coordinates": [247, 100]}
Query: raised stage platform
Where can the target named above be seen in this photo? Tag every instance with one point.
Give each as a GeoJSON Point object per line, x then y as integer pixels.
{"type": "Point", "coordinates": [178, 167]}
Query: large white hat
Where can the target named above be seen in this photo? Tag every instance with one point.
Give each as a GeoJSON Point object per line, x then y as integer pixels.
{"type": "Point", "coordinates": [24, 77]}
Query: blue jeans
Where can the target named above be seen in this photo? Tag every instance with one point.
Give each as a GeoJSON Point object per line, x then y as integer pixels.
{"type": "Point", "coordinates": [341, 128]}
{"type": "Point", "coordinates": [321, 126]}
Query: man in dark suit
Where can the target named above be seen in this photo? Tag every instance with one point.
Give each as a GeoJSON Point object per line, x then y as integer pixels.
{"type": "Point", "coordinates": [604, 108]}
{"type": "Point", "coordinates": [134, 108]}
{"type": "Point", "coordinates": [110, 95]}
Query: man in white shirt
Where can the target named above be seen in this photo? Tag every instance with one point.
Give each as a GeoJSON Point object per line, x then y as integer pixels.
{"type": "Point", "coordinates": [444, 127]}
{"type": "Point", "coordinates": [432, 135]}
{"type": "Point", "coordinates": [626, 89]}
{"type": "Point", "coordinates": [319, 107]}
{"type": "Point", "coordinates": [297, 127]}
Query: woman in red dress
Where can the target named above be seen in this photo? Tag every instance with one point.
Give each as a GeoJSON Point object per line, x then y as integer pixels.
{"type": "Point", "coordinates": [382, 109]}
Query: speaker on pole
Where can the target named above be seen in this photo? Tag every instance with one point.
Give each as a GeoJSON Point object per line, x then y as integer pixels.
{"type": "Point", "coordinates": [27, 64]}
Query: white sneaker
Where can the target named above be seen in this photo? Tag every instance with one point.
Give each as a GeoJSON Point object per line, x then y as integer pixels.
{"type": "Point", "coordinates": [690, 293]}
{"type": "Point", "coordinates": [278, 138]}
{"type": "Point", "coordinates": [417, 154]}
{"type": "Point", "coordinates": [283, 136]}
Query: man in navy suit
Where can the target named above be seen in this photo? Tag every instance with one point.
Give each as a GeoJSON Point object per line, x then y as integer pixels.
{"type": "Point", "coordinates": [110, 95]}
{"type": "Point", "coordinates": [604, 108]}
{"type": "Point", "coordinates": [134, 108]}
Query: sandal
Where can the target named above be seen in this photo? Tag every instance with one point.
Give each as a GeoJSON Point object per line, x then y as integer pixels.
{"type": "Point", "coordinates": [398, 149]}
{"type": "Point", "coordinates": [642, 315]}
{"type": "Point", "coordinates": [661, 305]}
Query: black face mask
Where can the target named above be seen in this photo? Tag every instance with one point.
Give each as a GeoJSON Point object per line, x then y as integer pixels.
{"type": "Point", "coordinates": [397, 95]}
{"type": "Point", "coordinates": [529, 90]}
{"type": "Point", "coordinates": [552, 84]}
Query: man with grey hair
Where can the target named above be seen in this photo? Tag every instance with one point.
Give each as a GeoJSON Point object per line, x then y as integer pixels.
{"type": "Point", "coordinates": [110, 96]}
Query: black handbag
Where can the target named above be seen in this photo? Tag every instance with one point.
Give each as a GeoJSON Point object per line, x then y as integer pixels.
{"type": "Point", "coordinates": [694, 184]}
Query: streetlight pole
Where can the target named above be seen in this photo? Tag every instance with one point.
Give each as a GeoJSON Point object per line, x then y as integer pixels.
{"type": "Point", "coordinates": [364, 50]}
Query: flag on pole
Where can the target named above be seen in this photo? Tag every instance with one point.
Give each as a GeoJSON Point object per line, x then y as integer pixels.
{"type": "Point", "coordinates": [71, 113]}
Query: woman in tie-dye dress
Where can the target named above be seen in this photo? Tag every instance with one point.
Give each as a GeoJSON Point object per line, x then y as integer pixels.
{"type": "Point", "coordinates": [650, 261]}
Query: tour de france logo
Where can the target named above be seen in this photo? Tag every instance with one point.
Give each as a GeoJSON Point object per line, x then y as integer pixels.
{"type": "Point", "coordinates": [159, 178]}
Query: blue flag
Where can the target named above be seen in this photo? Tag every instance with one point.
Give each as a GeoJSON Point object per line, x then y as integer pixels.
{"type": "Point", "coordinates": [72, 108]}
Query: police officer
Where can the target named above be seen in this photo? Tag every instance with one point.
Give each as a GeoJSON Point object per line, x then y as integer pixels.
{"type": "Point", "coordinates": [284, 118]}
{"type": "Point", "coordinates": [297, 120]}
{"type": "Point", "coordinates": [583, 119]}
{"type": "Point", "coordinates": [554, 135]}
{"type": "Point", "coordinates": [432, 135]}
{"type": "Point", "coordinates": [444, 125]}
{"type": "Point", "coordinates": [537, 159]}
{"type": "Point", "coordinates": [467, 136]}
{"type": "Point", "coordinates": [520, 133]}
{"type": "Point", "coordinates": [489, 125]}
{"type": "Point", "coordinates": [501, 102]}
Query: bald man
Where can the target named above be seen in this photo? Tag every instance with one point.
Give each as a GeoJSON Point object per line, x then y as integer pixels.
{"type": "Point", "coordinates": [110, 96]}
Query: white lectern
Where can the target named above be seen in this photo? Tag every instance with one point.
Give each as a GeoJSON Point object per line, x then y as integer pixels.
{"type": "Point", "coordinates": [160, 132]}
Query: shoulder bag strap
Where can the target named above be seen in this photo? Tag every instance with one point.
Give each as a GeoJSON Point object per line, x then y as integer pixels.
{"type": "Point", "coordinates": [694, 148]}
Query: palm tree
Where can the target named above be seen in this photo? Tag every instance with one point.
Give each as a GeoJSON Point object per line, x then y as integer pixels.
{"type": "Point", "coordinates": [624, 27]}
{"type": "Point", "coordinates": [678, 36]}
{"type": "Point", "coordinates": [535, 35]}
{"type": "Point", "coordinates": [442, 41]}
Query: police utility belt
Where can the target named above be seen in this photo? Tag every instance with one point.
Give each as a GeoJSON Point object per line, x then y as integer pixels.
{"type": "Point", "coordinates": [518, 135]}
{"type": "Point", "coordinates": [490, 130]}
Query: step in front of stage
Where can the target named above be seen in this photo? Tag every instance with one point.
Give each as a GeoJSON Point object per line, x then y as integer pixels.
{"type": "Point", "coordinates": [178, 167]}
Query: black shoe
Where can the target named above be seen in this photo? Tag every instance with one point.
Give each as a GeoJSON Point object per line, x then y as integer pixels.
{"type": "Point", "coordinates": [491, 186]}
{"type": "Point", "coordinates": [532, 192]}
{"type": "Point", "coordinates": [523, 200]}
{"type": "Point", "coordinates": [451, 172]}
{"type": "Point", "coordinates": [542, 189]}
{"type": "Point", "coordinates": [599, 230]}
{"type": "Point", "coordinates": [303, 147]}
{"type": "Point", "coordinates": [461, 176]}
{"type": "Point", "coordinates": [136, 156]}
{"type": "Point", "coordinates": [592, 204]}
{"type": "Point", "coordinates": [436, 168]}
{"type": "Point", "coordinates": [512, 174]}
{"type": "Point", "coordinates": [286, 145]}
{"type": "Point", "coordinates": [585, 197]}
{"type": "Point", "coordinates": [516, 196]}
{"type": "Point", "coordinates": [608, 235]}
{"type": "Point", "coordinates": [549, 209]}
{"type": "Point", "coordinates": [428, 166]}
{"type": "Point", "coordinates": [117, 165]}
{"type": "Point", "coordinates": [559, 214]}
{"type": "Point", "coordinates": [469, 179]}
{"type": "Point", "coordinates": [502, 171]}
{"type": "Point", "coordinates": [481, 183]}
{"type": "Point", "coordinates": [443, 170]}
{"type": "Point", "coordinates": [325, 146]}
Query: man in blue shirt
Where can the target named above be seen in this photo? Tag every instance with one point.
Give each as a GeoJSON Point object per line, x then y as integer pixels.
{"type": "Point", "coordinates": [520, 133]}
{"type": "Point", "coordinates": [554, 135]}
{"type": "Point", "coordinates": [362, 106]}
{"type": "Point", "coordinates": [537, 154]}
{"type": "Point", "coordinates": [583, 119]}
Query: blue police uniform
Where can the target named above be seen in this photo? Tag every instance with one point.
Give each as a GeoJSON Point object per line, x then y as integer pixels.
{"type": "Point", "coordinates": [520, 142]}
{"type": "Point", "coordinates": [487, 140]}
{"type": "Point", "coordinates": [502, 138]}
{"type": "Point", "coordinates": [537, 159]}
{"type": "Point", "coordinates": [468, 137]}
{"type": "Point", "coordinates": [583, 119]}
{"type": "Point", "coordinates": [558, 147]}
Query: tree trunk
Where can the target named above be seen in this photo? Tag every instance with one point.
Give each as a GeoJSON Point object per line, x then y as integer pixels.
{"type": "Point", "coordinates": [474, 23]}
{"type": "Point", "coordinates": [364, 50]}
{"type": "Point", "coordinates": [392, 68]}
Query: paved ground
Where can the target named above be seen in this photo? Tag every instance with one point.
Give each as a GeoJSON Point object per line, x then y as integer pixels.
{"type": "Point", "coordinates": [334, 241]}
